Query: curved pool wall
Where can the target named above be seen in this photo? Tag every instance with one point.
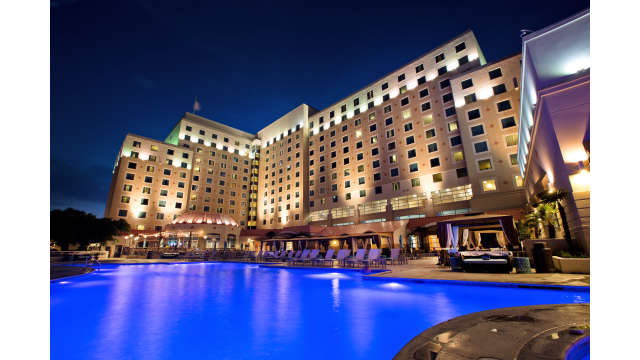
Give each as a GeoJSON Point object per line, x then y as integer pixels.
{"type": "Point", "coordinates": [244, 311]}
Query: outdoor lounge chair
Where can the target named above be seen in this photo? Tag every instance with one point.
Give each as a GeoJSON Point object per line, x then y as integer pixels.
{"type": "Point", "coordinates": [396, 258]}
{"type": "Point", "coordinates": [313, 256]}
{"type": "Point", "coordinates": [357, 259]}
{"type": "Point", "coordinates": [373, 259]}
{"type": "Point", "coordinates": [303, 257]}
{"type": "Point", "coordinates": [328, 258]}
{"type": "Point", "coordinates": [296, 256]}
{"type": "Point", "coordinates": [494, 260]}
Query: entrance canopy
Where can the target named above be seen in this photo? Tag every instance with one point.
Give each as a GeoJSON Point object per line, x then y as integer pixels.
{"type": "Point", "coordinates": [504, 222]}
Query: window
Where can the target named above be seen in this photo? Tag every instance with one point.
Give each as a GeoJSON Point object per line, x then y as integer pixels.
{"type": "Point", "coordinates": [426, 106]}
{"type": "Point", "coordinates": [419, 68]}
{"type": "Point", "coordinates": [122, 213]}
{"type": "Point", "coordinates": [460, 47]}
{"type": "Point", "coordinates": [424, 92]}
{"type": "Point", "coordinates": [369, 94]}
{"type": "Point", "coordinates": [461, 172]}
{"type": "Point", "coordinates": [125, 199]}
{"type": "Point", "coordinates": [376, 177]}
{"type": "Point", "coordinates": [435, 162]}
{"type": "Point", "coordinates": [517, 179]}
{"type": "Point", "coordinates": [453, 126]}
{"type": "Point", "coordinates": [414, 167]}
{"type": "Point", "coordinates": [393, 159]}
{"type": "Point", "coordinates": [404, 101]}
{"type": "Point", "coordinates": [444, 83]}
{"type": "Point", "coordinates": [477, 130]}
{"type": "Point", "coordinates": [387, 109]}
{"type": "Point", "coordinates": [499, 89]}
{"type": "Point", "coordinates": [129, 176]}
{"type": "Point", "coordinates": [496, 73]}
{"type": "Point", "coordinates": [408, 126]}
{"type": "Point", "coordinates": [447, 97]}
{"type": "Point", "coordinates": [372, 128]}
{"type": "Point", "coordinates": [489, 185]}
{"type": "Point", "coordinates": [409, 140]}
{"type": "Point", "coordinates": [458, 156]}
{"type": "Point", "coordinates": [433, 147]}
{"type": "Point", "coordinates": [378, 189]}
{"type": "Point", "coordinates": [508, 122]}
{"type": "Point", "coordinates": [148, 179]}
{"type": "Point", "coordinates": [391, 145]}
{"type": "Point", "coordinates": [146, 190]}
{"type": "Point", "coordinates": [385, 86]}
{"type": "Point", "coordinates": [468, 99]}
{"type": "Point", "coordinates": [422, 80]}
{"type": "Point", "coordinates": [394, 172]}
{"type": "Point", "coordinates": [162, 203]}
{"type": "Point", "coordinates": [415, 182]}
{"type": "Point", "coordinates": [473, 114]}
{"type": "Point", "coordinates": [439, 58]}
{"type": "Point", "coordinates": [467, 84]}
{"type": "Point", "coordinates": [137, 144]}
{"type": "Point", "coordinates": [406, 114]}
{"type": "Point", "coordinates": [385, 97]}
{"type": "Point", "coordinates": [412, 153]}
{"type": "Point", "coordinates": [150, 168]}
{"type": "Point", "coordinates": [480, 147]}
{"type": "Point", "coordinates": [132, 165]}
{"type": "Point", "coordinates": [437, 177]}
{"type": "Point", "coordinates": [374, 152]}
{"type": "Point", "coordinates": [427, 119]}
{"type": "Point", "coordinates": [363, 193]}
{"type": "Point", "coordinates": [142, 214]}
{"type": "Point", "coordinates": [178, 205]}
{"type": "Point", "coordinates": [442, 70]}
{"type": "Point", "coordinates": [430, 133]}
{"type": "Point", "coordinates": [485, 164]}
{"type": "Point", "coordinates": [514, 159]}
{"type": "Point", "coordinates": [456, 140]}
{"type": "Point", "coordinates": [463, 60]}
{"type": "Point", "coordinates": [361, 180]}
{"type": "Point", "coordinates": [450, 111]}
{"type": "Point", "coordinates": [511, 140]}
{"type": "Point", "coordinates": [400, 77]}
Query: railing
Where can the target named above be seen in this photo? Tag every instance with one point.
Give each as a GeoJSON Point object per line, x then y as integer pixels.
{"type": "Point", "coordinates": [76, 256]}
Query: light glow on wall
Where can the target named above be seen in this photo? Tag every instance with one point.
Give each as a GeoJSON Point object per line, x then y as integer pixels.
{"type": "Point", "coordinates": [219, 146]}
{"type": "Point", "coordinates": [393, 93]}
{"type": "Point", "coordinates": [452, 66]}
{"type": "Point", "coordinates": [181, 136]}
{"type": "Point", "coordinates": [207, 143]}
{"type": "Point", "coordinates": [363, 108]}
{"type": "Point", "coordinates": [377, 101]}
{"type": "Point", "coordinates": [349, 114]}
{"type": "Point", "coordinates": [459, 102]}
{"type": "Point", "coordinates": [412, 84]}
{"type": "Point", "coordinates": [473, 56]}
{"type": "Point", "coordinates": [484, 93]}
{"type": "Point", "coordinates": [581, 181]}
{"type": "Point", "coordinates": [576, 155]}
{"type": "Point", "coordinates": [431, 76]}
{"type": "Point", "coordinates": [194, 139]}
{"type": "Point", "coordinates": [576, 65]}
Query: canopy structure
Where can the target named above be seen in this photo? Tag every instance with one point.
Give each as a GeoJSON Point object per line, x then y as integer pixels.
{"type": "Point", "coordinates": [448, 229]}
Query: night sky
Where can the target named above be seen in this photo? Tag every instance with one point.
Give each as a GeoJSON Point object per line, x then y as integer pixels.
{"type": "Point", "coordinates": [135, 66]}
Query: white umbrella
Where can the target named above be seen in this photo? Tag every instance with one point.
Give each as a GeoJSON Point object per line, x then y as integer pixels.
{"type": "Point", "coordinates": [465, 237]}
{"type": "Point", "coordinates": [449, 236]}
{"type": "Point", "coordinates": [455, 236]}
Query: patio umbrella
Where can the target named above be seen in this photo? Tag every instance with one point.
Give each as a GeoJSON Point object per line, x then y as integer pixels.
{"type": "Point", "coordinates": [465, 237]}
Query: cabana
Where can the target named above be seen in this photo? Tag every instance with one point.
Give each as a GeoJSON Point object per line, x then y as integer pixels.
{"type": "Point", "coordinates": [481, 242]}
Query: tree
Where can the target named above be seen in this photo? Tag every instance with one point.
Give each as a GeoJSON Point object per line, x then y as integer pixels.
{"type": "Point", "coordinates": [556, 197]}
{"type": "Point", "coordinates": [72, 226]}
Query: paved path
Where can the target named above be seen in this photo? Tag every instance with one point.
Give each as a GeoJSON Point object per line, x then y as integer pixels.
{"type": "Point", "coordinates": [427, 269]}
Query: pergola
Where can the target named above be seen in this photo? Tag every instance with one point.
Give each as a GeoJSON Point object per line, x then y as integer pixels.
{"type": "Point", "coordinates": [450, 229]}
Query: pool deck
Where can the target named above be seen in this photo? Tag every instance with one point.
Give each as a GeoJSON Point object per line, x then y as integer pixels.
{"type": "Point", "coordinates": [424, 269]}
{"type": "Point", "coordinates": [427, 269]}
{"type": "Point", "coordinates": [61, 271]}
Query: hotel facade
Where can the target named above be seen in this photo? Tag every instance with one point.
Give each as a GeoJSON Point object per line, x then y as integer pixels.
{"type": "Point", "coordinates": [436, 137]}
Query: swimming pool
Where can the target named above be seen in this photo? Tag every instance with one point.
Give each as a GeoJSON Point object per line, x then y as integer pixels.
{"type": "Point", "coordinates": [243, 311]}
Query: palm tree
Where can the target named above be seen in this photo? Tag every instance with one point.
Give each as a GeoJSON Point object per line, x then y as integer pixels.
{"type": "Point", "coordinates": [546, 213]}
{"type": "Point", "coordinates": [556, 197]}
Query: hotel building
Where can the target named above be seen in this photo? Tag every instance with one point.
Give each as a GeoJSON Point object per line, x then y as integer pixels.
{"type": "Point", "coordinates": [554, 137]}
{"type": "Point", "coordinates": [437, 136]}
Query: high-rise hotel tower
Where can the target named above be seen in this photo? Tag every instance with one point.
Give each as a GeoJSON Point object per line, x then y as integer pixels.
{"type": "Point", "coordinates": [437, 136]}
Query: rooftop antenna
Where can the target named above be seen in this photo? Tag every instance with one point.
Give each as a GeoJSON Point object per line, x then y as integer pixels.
{"type": "Point", "coordinates": [524, 32]}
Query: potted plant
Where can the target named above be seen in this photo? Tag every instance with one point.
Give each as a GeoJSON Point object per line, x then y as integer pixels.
{"type": "Point", "coordinates": [572, 263]}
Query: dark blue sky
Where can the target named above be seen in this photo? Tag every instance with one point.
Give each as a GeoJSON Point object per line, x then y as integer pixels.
{"type": "Point", "coordinates": [135, 66]}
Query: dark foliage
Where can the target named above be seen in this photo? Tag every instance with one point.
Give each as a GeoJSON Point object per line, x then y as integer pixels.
{"type": "Point", "coordinates": [72, 226]}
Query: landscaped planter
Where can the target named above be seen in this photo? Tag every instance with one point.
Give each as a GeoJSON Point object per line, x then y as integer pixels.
{"type": "Point", "coordinates": [571, 265]}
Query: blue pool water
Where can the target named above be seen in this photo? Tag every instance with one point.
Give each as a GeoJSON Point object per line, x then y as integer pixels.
{"type": "Point", "coordinates": [240, 311]}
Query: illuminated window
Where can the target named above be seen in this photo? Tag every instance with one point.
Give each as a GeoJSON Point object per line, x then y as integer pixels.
{"type": "Point", "coordinates": [125, 199]}
{"type": "Point", "coordinates": [430, 133]}
{"type": "Point", "coordinates": [150, 168]}
{"type": "Point", "coordinates": [468, 99]}
{"type": "Point", "coordinates": [518, 181]}
{"type": "Point", "coordinates": [127, 187]}
{"type": "Point", "coordinates": [406, 114]}
{"type": "Point", "coordinates": [484, 165]}
{"type": "Point", "coordinates": [458, 156]}
{"type": "Point", "coordinates": [393, 159]}
{"type": "Point", "coordinates": [146, 190]}
{"type": "Point", "coordinates": [511, 140]}
{"type": "Point", "coordinates": [437, 177]}
{"type": "Point", "coordinates": [514, 159]}
{"type": "Point", "coordinates": [453, 126]}
{"type": "Point", "coordinates": [427, 119]}
{"type": "Point", "coordinates": [415, 182]}
{"type": "Point", "coordinates": [396, 186]}
{"type": "Point", "coordinates": [162, 203]}
{"type": "Point", "coordinates": [489, 185]}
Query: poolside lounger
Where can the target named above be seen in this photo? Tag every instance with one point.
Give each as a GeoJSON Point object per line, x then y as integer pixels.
{"type": "Point", "coordinates": [313, 256]}
{"type": "Point", "coordinates": [296, 256]}
{"type": "Point", "coordinates": [396, 258]}
{"type": "Point", "coordinates": [328, 258]}
{"type": "Point", "coordinates": [487, 261]}
{"type": "Point", "coordinates": [357, 259]}
{"type": "Point", "coordinates": [303, 257]}
{"type": "Point", "coordinates": [373, 259]}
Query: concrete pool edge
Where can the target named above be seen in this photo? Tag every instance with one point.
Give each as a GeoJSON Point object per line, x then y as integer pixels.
{"type": "Point", "coordinates": [522, 332]}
